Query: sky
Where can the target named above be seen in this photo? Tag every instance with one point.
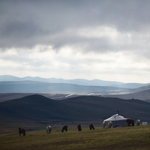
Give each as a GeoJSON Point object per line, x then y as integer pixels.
{"type": "Point", "coordinates": [76, 39]}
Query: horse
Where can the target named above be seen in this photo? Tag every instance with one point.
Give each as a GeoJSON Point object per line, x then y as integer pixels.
{"type": "Point", "coordinates": [138, 122]}
{"type": "Point", "coordinates": [23, 131]}
{"type": "Point", "coordinates": [104, 124]}
{"type": "Point", "coordinates": [79, 127]}
{"type": "Point", "coordinates": [91, 127]}
{"type": "Point", "coordinates": [48, 128]}
{"type": "Point", "coordinates": [110, 124]}
{"type": "Point", "coordinates": [64, 128]}
{"type": "Point", "coordinates": [130, 122]}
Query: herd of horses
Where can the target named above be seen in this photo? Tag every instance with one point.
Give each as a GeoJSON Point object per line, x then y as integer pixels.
{"type": "Point", "coordinates": [64, 128]}
{"type": "Point", "coordinates": [91, 127]}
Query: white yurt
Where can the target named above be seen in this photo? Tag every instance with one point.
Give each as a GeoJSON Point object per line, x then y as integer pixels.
{"type": "Point", "coordinates": [115, 121]}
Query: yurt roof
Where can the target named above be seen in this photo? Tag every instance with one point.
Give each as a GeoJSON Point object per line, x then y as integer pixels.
{"type": "Point", "coordinates": [116, 117]}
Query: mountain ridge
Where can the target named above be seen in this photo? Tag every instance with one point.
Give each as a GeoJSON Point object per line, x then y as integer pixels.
{"type": "Point", "coordinates": [94, 82]}
{"type": "Point", "coordinates": [61, 88]}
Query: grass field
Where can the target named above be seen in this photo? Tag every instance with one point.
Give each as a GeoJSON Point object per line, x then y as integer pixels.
{"type": "Point", "coordinates": [124, 138]}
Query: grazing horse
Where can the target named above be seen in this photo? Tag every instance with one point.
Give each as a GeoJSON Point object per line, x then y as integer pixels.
{"type": "Point", "coordinates": [23, 131]}
{"type": "Point", "coordinates": [64, 128]}
{"type": "Point", "coordinates": [104, 124]}
{"type": "Point", "coordinates": [91, 127]}
{"type": "Point", "coordinates": [138, 122]}
{"type": "Point", "coordinates": [130, 122]}
{"type": "Point", "coordinates": [110, 124]}
{"type": "Point", "coordinates": [48, 128]}
{"type": "Point", "coordinates": [79, 127]}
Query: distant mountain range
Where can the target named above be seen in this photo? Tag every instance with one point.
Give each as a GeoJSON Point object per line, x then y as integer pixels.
{"type": "Point", "coordinates": [84, 82]}
{"type": "Point", "coordinates": [15, 87]}
{"type": "Point", "coordinates": [37, 108]}
{"type": "Point", "coordinates": [60, 88]}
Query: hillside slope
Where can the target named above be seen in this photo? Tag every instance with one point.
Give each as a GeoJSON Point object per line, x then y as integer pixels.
{"type": "Point", "coordinates": [105, 107]}
{"type": "Point", "coordinates": [36, 108]}
{"type": "Point", "coordinates": [142, 95]}
{"type": "Point", "coordinates": [11, 96]}
{"type": "Point", "coordinates": [84, 108]}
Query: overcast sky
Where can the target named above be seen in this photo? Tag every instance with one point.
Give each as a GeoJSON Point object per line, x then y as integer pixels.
{"type": "Point", "coordinates": [70, 39]}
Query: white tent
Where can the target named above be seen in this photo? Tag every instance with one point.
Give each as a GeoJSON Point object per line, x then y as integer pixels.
{"type": "Point", "coordinates": [115, 121]}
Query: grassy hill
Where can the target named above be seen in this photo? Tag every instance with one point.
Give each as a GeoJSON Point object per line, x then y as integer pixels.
{"type": "Point", "coordinates": [11, 96]}
{"type": "Point", "coordinates": [105, 107]}
{"type": "Point", "coordinates": [124, 138]}
{"type": "Point", "coordinates": [37, 109]}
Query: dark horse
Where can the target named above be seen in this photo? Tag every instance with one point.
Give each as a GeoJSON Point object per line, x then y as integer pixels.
{"type": "Point", "coordinates": [64, 128]}
{"type": "Point", "coordinates": [91, 127]}
{"type": "Point", "coordinates": [23, 131]}
{"type": "Point", "coordinates": [130, 122]}
{"type": "Point", "coordinates": [79, 127]}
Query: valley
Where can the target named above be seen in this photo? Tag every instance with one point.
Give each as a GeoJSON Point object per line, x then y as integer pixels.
{"type": "Point", "coordinates": [33, 103]}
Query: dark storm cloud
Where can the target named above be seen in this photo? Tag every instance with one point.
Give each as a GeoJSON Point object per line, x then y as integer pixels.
{"type": "Point", "coordinates": [18, 29]}
{"type": "Point", "coordinates": [32, 22]}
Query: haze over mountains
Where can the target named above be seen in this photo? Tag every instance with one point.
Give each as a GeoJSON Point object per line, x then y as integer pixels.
{"type": "Point", "coordinates": [13, 87]}
{"type": "Point", "coordinates": [62, 88]}
{"type": "Point", "coordinates": [95, 82]}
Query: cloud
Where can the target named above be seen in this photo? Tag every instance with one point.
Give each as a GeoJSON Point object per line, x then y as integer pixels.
{"type": "Point", "coordinates": [74, 38]}
{"type": "Point", "coordinates": [67, 63]}
{"type": "Point", "coordinates": [30, 23]}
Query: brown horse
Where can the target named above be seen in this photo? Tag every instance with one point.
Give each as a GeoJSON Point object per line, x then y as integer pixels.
{"type": "Point", "coordinates": [130, 122]}
{"type": "Point", "coordinates": [23, 131]}
{"type": "Point", "coordinates": [79, 127]}
{"type": "Point", "coordinates": [64, 128]}
{"type": "Point", "coordinates": [91, 127]}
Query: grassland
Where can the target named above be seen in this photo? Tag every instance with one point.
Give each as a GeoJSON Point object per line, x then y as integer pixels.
{"type": "Point", "coordinates": [99, 139]}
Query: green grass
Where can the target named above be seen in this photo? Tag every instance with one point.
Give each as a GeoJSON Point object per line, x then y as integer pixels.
{"type": "Point", "coordinates": [123, 138]}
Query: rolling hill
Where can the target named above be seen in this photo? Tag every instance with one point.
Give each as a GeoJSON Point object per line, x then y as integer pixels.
{"type": "Point", "coordinates": [37, 108]}
{"type": "Point", "coordinates": [142, 95]}
{"type": "Point", "coordinates": [11, 96]}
